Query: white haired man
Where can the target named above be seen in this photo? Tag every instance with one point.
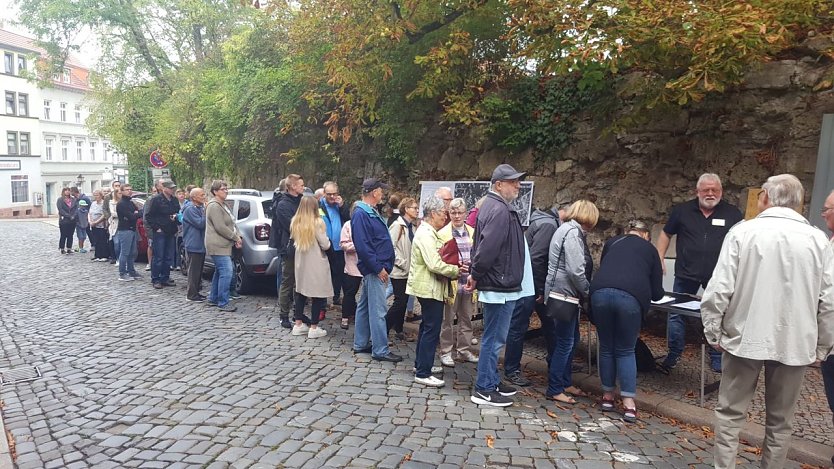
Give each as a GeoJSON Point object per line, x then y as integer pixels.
{"type": "Point", "coordinates": [770, 303]}
{"type": "Point", "coordinates": [700, 225]}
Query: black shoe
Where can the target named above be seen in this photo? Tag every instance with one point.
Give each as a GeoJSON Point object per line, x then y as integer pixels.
{"type": "Point", "coordinates": [158, 286]}
{"type": "Point", "coordinates": [285, 323]}
{"type": "Point", "coordinates": [364, 350]}
{"type": "Point", "coordinates": [414, 318]}
{"type": "Point", "coordinates": [670, 362]}
{"type": "Point", "coordinates": [391, 357]}
{"type": "Point", "coordinates": [337, 301]}
{"type": "Point", "coordinates": [112, 261]}
{"type": "Point", "coordinates": [197, 298]}
{"type": "Point", "coordinates": [234, 296]}
{"type": "Point", "coordinates": [492, 398]}
{"type": "Point", "coordinates": [169, 283]}
{"type": "Point", "coordinates": [505, 390]}
{"type": "Point", "coordinates": [63, 251]}
{"type": "Point", "coordinates": [518, 380]}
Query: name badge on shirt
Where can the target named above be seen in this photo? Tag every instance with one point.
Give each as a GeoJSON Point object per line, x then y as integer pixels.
{"type": "Point", "coordinates": [718, 222]}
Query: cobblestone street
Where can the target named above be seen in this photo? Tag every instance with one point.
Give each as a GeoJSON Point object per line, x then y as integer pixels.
{"type": "Point", "coordinates": [137, 377]}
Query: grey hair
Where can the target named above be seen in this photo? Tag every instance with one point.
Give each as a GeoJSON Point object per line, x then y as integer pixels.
{"type": "Point", "coordinates": [784, 190]}
{"type": "Point", "coordinates": [444, 188]}
{"type": "Point", "coordinates": [217, 184]}
{"type": "Point", "coordinates": [431, 205]}
{"type": "Point", "coordinates": [282, 186]}
{"type": "Point", "coordinates": [706, 177]}
{"type": "Point", "coordinates": [637, 225]}
{"type": "Point", "coordinates": [458, 203]}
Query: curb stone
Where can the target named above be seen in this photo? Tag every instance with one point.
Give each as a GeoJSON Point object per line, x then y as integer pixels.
{"type": "Point", "coordinates": [801, 451]}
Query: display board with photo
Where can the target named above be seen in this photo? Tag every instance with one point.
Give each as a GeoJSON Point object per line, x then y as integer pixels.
{"type": "Point", "coordinates": [472, 191]}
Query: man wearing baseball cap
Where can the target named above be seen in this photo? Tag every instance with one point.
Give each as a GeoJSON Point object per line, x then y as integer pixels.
{"type": "Point", "coordinates": [499, 255]}
{"type": "Point", "coordinates": [376, 260]}
{"type": "Point", "coordinates": [162, 221]}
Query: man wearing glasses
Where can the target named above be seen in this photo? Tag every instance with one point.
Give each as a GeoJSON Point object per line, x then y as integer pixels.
{"type": "Point", "coordinates": [700, 225]}
{"type": "Point", "coordinates": [335, 214]}
{"type": "Point", "coordinates": [499, 260]}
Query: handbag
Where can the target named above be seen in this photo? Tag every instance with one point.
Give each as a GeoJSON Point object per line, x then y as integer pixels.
{"type": "Point", "coordinates": [449, 252]}
{"type": "Point", "coordinates": [561, 307]}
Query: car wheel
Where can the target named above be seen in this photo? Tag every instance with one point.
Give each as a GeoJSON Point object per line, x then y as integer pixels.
{"type": "Point", "coordinates": [244, 283]}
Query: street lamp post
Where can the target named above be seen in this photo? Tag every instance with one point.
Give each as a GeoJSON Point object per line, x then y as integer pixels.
{"type": "Point", "coordinates": [79, 182]}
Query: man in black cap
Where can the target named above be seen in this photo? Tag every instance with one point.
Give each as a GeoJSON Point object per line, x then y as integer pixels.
{"type": "Point", "coordinates": [162, 221]}
{"type": "Point", "coordinates": [376, 260]}
{"type": "Point", "coordinates": [499, 254]}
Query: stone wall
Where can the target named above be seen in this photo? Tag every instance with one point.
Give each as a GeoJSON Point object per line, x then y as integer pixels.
{"type": "Point", "coordinates": [770, 126]}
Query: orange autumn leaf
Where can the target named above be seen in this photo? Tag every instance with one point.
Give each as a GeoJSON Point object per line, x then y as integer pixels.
{"type": "Point", "coordinates": [490, 441]}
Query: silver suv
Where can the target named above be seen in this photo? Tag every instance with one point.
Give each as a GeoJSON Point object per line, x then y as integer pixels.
{"type": "Point", "coordinates": [253, 213]}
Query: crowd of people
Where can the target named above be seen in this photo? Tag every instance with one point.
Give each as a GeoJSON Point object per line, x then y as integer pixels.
{"type": "Point", "coordinates": [768, 283]}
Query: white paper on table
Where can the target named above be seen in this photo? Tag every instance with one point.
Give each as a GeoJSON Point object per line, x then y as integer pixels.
{"type": "Point", "coordinates": [664, 300]}
{"type": "Point", "coordinates": [693, 305]}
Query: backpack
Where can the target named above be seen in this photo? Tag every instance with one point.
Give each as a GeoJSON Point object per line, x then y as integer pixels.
{"type": "Point", "coordinates": [645, 359]}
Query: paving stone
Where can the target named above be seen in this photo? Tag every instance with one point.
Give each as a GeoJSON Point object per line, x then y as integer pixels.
{"type": "Point", "coordinates": [154, 381]}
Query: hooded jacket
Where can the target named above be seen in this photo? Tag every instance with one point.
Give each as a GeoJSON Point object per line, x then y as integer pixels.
{"type": "Point", "coordinates": [498, 247]}
{"type": "Point", "coordinates": [542, 226]}
{"type": "Point", "coordinates": [285, 209]}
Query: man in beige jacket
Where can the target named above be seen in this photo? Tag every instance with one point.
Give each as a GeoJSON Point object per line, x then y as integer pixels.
{"type": "Point", "coordinates": [770, 304]}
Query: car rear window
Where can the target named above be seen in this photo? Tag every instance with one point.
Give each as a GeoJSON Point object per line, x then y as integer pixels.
{"type": "Point", "coordinates": [267, 208]}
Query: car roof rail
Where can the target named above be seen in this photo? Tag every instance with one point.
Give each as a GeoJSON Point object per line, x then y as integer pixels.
{"type": "Point", "coordinates": [254, 192]}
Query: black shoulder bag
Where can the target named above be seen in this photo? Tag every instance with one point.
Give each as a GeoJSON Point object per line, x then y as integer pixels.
{"type": "Point", "coordinates": [561, 307]}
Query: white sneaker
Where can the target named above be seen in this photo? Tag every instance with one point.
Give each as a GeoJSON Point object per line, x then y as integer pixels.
{"type": "Point", "coordinates": [431, 381]}
{"type": "Point", "coordinates": [446, 359]}
{"type": "Point", "coordinates": [468, 356]}
{"type": "Point", "coordinates": [316, 333]}
{"type": "Point", "coordinates": [300, 330]}
{"type": "Point", "coordinates": [434, 370]}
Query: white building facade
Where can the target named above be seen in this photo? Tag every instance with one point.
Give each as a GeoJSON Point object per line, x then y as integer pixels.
{"type": "Point", "coordinates": [48, 144]}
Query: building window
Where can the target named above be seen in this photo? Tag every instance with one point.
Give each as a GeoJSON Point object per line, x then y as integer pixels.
{"type": "Point", "coordinates": [63, 112]}
{"type": "Point", "coordinates": [8, 63]}
{"type": "Point", "coordinates": [92, 151]}
{"type": "Point", "coordinates": [11, 143]}
{"type": "Point", "coordinates": [106, 152]}
{"type": "Point", "coordinates": [10, 103]}
{"type": "Point", "coordinates": [64, 150]}
{"type": "Point", "coordinates": [21, 64]}
{"type": "Point", "coordinates": [48, 149]}
{"type": "Point", "coordinates": [20, 188]}
{"type": "Point", "coordinates": [79, 149]}
{"type": "Point", "coordinates": [46, 108]}
{"type": "Point", "coordinates": [22, 104]}
{"type": "Point", "coordinates": [24, 144]}
{"type": "Point", "coordinates": [77, 113]}
{"type": "Point", "coordinates": [66, 75]}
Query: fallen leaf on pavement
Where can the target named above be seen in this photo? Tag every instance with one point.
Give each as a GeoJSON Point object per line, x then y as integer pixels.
{"type": "Point", "coordinates": [552, 414]}
{"type": "Point", "coordinates": [490, 441]}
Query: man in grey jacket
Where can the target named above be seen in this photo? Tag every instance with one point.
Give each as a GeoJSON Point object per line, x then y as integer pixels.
{"type": "Point", "coordinates": [770, 303]}
{"type": "Point", "coordinates": [498, 256]}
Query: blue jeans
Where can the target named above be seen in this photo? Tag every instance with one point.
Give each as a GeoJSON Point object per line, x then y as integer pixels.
{"type": "Point", "coordinates": [497, 319]}
{"type": "Point", "coordinates": [559, 374]}
{"type": "Point", "coordinates": [519, 324]}
{"type": "Point", "coordinates": [676, 325]}
{"type": "Point", "coordinates": [428, 336]}
{"type": "Point", "coordinates": [220, 280]}
{"type": "Point", "coordinates": [618, 316]}
{"type": "Point", "coordinates": [164, 246]}
{"type": "Point", "coordinates": [126, 247]}
{"type": "Point", "coordinates": [370, 317]}
{"type": "Point", "coordinates": [827, 369]}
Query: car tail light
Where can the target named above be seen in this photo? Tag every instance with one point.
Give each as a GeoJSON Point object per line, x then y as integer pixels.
{"type": "Point", "coordinates": [262, 232]}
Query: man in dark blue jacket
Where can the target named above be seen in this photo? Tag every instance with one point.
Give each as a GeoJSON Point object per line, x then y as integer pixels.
{"type": "Point", "coordinates": [376, 260]}
{"type": "Point", "coordinates": [161, 219]}
{"type": "Point", "coordinates": [497, 269]}
{"type": "Point", "coordinates": [285, 208]}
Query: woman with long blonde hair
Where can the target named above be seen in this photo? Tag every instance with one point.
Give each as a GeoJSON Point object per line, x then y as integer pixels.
{"type": "Point", "coordinates": [309, 235]}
